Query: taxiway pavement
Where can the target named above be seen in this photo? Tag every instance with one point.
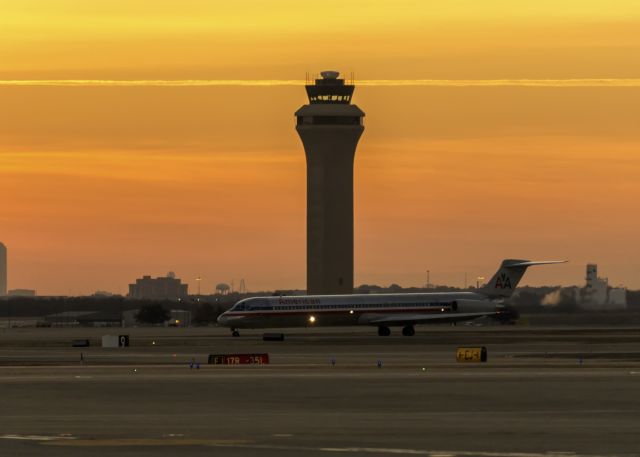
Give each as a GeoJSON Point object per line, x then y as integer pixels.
{"type": "Point", "coordinates": [543, 392]}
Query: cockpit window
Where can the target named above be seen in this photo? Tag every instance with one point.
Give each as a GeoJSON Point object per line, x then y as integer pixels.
{"type": "Point", "coordinates": [240, 306]}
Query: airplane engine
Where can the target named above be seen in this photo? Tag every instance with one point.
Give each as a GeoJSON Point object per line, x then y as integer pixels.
{"type": "Point", "coordinates": [474, 306]}
{"type": "Point", "coordinates": [508, 315]}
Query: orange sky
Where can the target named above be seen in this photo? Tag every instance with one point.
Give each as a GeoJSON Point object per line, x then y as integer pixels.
{"type": "Point", "coordinates": [99, 185]}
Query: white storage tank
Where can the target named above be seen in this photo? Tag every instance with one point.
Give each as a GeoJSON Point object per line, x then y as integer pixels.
{"type": "Point", "coordinates": [618, 298]}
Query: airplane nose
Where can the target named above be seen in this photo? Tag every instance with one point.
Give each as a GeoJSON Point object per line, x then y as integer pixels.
{"type": "Point", "coordinates": [222, 319]}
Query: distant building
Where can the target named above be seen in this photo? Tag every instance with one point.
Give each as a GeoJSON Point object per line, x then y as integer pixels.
{"type": "Point", "coordinates": [22, 293]}
{"type": "Point", "coordinates": [3, 270]}
{"type": "Point", "coordinates": [618, 297]}
{"type": "Point", "coordinates": [598, 295]}
{"type": "Point", "coordinates": [179, 318]}
{"type": "Point", "coordinates": [129, 317]}
{"type": "Point", "coordinates": [102, 293]}
{"type": "Point", "coordinates": [66, 319]}
{"type": "Point", "coordinates": [112, 318]}
{"type": "Point", "coordinates": [84, 319]}
{"type": "Point", "coordinates": [161, 288]}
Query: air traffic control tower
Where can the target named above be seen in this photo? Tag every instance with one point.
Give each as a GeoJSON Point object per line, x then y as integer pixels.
{"type": "Point", "coordinates": [329, 127]}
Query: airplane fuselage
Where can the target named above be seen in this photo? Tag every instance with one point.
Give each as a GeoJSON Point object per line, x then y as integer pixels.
{"type": "Point", "coordinates": [341, 310]}
{"type": "Point", "coordinates": [383, 310]}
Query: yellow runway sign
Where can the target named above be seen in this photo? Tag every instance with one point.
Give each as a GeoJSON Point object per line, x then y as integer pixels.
{"type": "Point", "coordinates": [475, 354]}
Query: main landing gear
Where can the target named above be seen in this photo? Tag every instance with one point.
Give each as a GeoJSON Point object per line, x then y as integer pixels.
{"type": "Point", "coordinates": [408, 330]}
{"type": "Point", "coordinates": [235, 332]}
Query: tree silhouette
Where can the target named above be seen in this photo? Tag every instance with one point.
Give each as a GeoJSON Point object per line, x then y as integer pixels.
{"type": "Point", "coordinates": [205, 314]}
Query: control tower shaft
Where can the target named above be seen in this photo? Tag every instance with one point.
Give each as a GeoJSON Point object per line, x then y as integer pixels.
{"type": "Point", "coordinates": [330, 127]}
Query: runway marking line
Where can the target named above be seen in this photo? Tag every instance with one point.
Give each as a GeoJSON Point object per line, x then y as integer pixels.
{"type": "Point", "coordinates": [457, 453]}
{"type": "Point", "coordinates": [119, 442]}
{"type": "Point", "coordinates": [41, 438]}
{"type": "Point", "coordinates": [243, 444]}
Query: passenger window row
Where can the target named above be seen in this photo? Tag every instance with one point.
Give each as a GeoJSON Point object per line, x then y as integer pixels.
{"type": "Point", "coordinates": [267, 307]}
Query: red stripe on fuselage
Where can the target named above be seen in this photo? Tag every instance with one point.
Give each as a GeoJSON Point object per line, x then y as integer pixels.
{"type": "Point", "coordinates": [336, 311]}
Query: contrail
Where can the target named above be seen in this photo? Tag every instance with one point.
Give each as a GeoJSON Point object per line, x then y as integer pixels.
{"type": "Point", "coordinates": [602, 82]}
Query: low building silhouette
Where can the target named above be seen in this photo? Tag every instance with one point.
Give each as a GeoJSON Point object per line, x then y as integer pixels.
{"type": "Point", "coordinates": [22, 293]}
{"type": "Point", "coordinates": [597, 294]}
{"type": "Point", "coordinates": [162, 288]}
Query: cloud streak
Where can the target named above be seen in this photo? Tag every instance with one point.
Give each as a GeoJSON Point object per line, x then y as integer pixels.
{"type": "Point", "coordinates": [603, 82]}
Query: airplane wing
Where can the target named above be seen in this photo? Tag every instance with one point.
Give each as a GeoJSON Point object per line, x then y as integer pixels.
{"type": "Point", "coordinates": [409, 319]}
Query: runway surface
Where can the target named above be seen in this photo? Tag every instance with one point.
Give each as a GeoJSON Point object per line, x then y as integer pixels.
{"type": "Point", "coordinates": [543, 392]}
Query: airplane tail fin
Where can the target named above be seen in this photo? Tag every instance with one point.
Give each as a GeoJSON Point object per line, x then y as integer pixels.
{"type": "Point", "coordinates": [503, 283]}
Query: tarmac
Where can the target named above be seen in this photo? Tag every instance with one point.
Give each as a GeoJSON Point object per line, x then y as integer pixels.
{"type": "Point", "coordinates": [543, 392]}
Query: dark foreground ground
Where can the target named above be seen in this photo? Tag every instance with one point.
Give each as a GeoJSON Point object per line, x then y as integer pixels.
{"type": "Point", "coordinates": [543, 392]}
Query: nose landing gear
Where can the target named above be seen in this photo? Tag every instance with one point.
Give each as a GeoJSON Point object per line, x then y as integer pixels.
{"type": "Point", "coordinates": [235, 332]}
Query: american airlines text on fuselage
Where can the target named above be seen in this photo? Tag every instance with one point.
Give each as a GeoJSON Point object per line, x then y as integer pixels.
{"type": "Point", "coordinates": [299, 301]}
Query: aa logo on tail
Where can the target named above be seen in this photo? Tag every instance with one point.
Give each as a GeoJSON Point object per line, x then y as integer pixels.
{"type": "Point", "coordinates": [503, 282]}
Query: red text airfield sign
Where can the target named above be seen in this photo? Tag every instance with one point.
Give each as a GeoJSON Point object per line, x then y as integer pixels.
{"type": "Point", "coordinates": [238, 359]}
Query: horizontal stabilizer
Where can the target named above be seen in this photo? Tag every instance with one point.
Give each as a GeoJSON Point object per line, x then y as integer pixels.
{"type": "Point", "coordinates": [530, 263]}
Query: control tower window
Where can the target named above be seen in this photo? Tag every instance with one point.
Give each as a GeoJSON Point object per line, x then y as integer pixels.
{"type": "Point", "coordinates": [330, 120]}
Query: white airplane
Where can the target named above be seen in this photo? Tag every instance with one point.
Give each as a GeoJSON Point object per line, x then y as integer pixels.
{"type": "Point", "coordinates": [380, 310]}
